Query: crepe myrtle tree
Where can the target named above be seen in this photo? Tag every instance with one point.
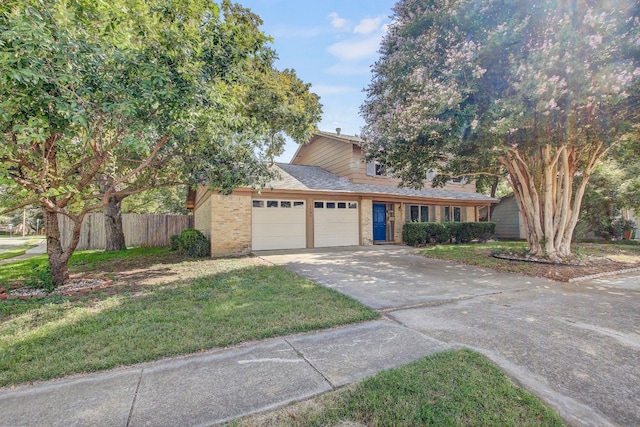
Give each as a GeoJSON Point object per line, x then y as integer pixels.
{"type": "Point", "coordinates": [99, 100]}
{"type": "Point", "coordinates": [542, 90]}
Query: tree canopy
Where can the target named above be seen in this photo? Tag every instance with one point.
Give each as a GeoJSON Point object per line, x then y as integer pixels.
{"type": "Point", "coordinates": [542, 90]}
{"type": "Point", "coordinates": [105, 99]}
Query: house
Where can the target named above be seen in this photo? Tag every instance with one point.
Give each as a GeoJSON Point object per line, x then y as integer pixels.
{"type": "Point", "coordinates": [327, 196]}
{"type": "Point", "coordinates": [508, 219]}
{"type": "Point", "coordinates": [510, 224]}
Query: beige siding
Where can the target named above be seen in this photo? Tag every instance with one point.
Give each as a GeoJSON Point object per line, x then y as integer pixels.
{"type": "Point", "coordinates": [506, 216]}
{"type": "Point", "coordinates": [202, 212]}
{"type": "Point", "coordinates": [334, 156]}
{"type": "Point", "coordinates": [230, 224]}
{"type": "Point", "coordinates": [359, 171]}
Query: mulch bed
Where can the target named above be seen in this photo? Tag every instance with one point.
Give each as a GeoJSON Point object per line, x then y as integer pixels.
{"type": "Point", "coordinates": [73, 286]}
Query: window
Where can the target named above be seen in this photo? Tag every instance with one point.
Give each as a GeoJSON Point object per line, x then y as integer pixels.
{"type": "Point", "coordinates": [342, 205]}
{"type": "Point", "coordinates": [417, 213]}
{"type": "Point", "coordinates": [414, 213]}
{"type": "Point", "coordinates": [318, 205]}
{"type": "Point", "coordinates": [258, 203]}
{"type": "Point", "coordinates": [424, 213]}
{"type": "Point", "coordinates": [284, 204]}
{"type": "Point", "coordinates": [353, 206]}
{"type": "Point", "coordinates": [453, 214]}
{"type": "Point", "coordinates": [298, 204]}
{"type": "Point", "coordinates": [272, 203]}
{"type": "Point", "coordinates": [460, 180]}
{"type": "Point", "coordinates": [456, 215]}
{"type": "Point", "coordinates": [430, 174]}
{"type": "Point", "coordinates": [374, 168]}
{"type": "Point", "coordinates": [331, 205]}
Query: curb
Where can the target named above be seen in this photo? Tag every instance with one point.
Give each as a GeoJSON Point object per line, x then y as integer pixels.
{"type": "Point", "coordinates": [604, 274]}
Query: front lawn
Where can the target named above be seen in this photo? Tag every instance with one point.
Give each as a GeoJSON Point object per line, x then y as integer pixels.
{"type": "Point", "coordinates": [596, 258]}
{"type": "Point", "coordinates": [160, 305]}
{"type": "Point", "coordinates": [454, 388]}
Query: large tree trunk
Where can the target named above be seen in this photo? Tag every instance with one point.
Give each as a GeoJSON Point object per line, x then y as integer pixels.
{"type": "Point", "coordinates": [543, 185]}
{"type": "Point", "coordinates": [113, 225]}
{"type": "Point", "coordinates": [58, 258]}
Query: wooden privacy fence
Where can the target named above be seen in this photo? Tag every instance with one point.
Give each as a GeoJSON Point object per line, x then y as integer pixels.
{"type": "Point", "coordinates": [139, 229]}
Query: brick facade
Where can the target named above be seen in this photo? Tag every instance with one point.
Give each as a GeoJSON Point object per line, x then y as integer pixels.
{"type": "Point", "coordinates": [230, 224]}
{"type": "Point", "coordinates": [366, 221]}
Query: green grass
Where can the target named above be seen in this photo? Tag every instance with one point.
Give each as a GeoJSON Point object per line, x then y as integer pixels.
{"type": "Point", "coordinates": [81, 261]}
{"type": "Point", "coordinates": [454, 388]}
{"type": "Point", "coordinates": [203, 305]}
{"type": "Point", "coordinates": [479, 254]}
{"type": "Point", "coordinates": [20, 250]}
{"type": "Point", "coordinates": [12, 253]}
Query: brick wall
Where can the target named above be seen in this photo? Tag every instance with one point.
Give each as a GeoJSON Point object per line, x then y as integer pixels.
{"type": "Point", "coordinates": [366, 221]}
{"type": "Point", "coordinates": [230, 224]}
{"type": "Point", "coordinates": [398, 223]}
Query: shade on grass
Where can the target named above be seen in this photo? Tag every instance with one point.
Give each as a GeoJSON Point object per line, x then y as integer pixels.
{"type": "Point", "coordinates": [59, 336]}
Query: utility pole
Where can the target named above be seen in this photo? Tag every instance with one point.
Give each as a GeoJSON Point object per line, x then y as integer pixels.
{"type": "Point", "coordinates": [24, 221]}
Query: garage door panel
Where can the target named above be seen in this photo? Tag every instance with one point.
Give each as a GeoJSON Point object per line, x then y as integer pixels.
{"type": "Point", "coordinates": [336, 226]}
{"type": "Point", "coordinates": [279, 227]}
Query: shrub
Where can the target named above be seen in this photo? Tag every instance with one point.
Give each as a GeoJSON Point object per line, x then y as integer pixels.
{"type": "Point", "coordinates": [419, 233]}
{"type": "Point", "coordinates": [193, 243]}
{"type": "Point", "coordinates": [175, 242]}
{"type": "Point", "coordinates": [41, 278]}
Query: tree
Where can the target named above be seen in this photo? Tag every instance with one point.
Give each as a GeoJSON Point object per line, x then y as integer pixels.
{"type": "Point", "coordinates": [542, 89]}
{"type": "Point", "coordinates": [273, 104]}
{"type": "Point", "coordinates": [614, 186]}
{"type": "Point", "coordinates": [97, 99]}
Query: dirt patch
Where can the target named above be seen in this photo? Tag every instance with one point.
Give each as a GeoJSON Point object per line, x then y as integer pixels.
{"type": "Point", "coordinates": [565, 273]}
{"type": "Point", "coordinates": [601, 260]}
{"type": "Point", "coordinates": [73, 286]}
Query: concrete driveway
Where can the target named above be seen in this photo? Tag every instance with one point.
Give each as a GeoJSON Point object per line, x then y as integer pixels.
{"type": "Point", "coordinates": [577, 346]}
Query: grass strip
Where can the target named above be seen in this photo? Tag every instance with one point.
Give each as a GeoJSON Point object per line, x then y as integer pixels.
{"type": "Point", "coordinates": [12, 253]}
{"type": "Point", "coordinates": [53, 337]}
{"type": "Point", "coordinates": [453, 388]}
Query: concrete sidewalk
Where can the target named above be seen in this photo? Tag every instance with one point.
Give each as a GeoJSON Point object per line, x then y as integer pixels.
{"type": "Point", "coordinates": [218, 386]}
{"type": "Point", "coordinates": [41, 248]}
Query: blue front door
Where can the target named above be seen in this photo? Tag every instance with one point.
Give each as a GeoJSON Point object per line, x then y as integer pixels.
{"type": "Point", "coordinates": [379, 221]}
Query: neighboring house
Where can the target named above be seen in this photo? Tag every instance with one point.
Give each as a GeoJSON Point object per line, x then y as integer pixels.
{"type": "Point", "coordinates": [508, 219]}
{"type": "Point", "coordinates": [327, 196]}
{"type": "Point", "coordinates": [509, 223]}
{"type": "Point", "coordinates": [628, 214]}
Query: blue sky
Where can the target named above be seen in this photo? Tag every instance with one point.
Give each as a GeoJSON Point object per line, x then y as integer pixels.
{"type": "Point", "coordinates": [331, 44]}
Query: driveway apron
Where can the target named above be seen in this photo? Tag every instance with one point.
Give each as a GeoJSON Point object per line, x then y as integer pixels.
{"type": "Point", "coordinates": [576, 346]}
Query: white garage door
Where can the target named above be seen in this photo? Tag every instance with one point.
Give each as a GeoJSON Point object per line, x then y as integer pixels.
{"type": "Point", "coordinates": [278, 224]}
{"type": "Point", "coordinates": [335, 223]}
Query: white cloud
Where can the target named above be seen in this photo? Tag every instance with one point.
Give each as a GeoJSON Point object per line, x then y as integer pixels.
{"type": "Point", "coordinates": [355, 50]}
{"type": "Point", "coordinates": [337, 22]}
{"type": "Point", "coordinates": [368, 26]}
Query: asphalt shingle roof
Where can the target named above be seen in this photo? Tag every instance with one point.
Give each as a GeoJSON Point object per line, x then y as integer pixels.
{"type": "Point", "coordinates": [314, 178]}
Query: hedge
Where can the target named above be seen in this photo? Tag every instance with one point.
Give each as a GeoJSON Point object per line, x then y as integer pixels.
{"type": "Point", "coordinates": [420, 233]}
